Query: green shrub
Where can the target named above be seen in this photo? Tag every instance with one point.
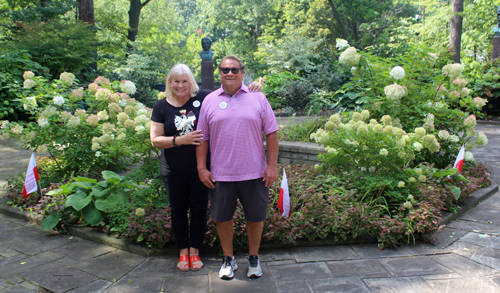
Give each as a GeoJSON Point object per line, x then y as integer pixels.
{"type": "Point", "coordinates": [295, 94]}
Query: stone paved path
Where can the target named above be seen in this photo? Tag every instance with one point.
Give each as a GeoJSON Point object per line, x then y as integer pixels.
{"type": "Point", "coordinates": [465, 258]}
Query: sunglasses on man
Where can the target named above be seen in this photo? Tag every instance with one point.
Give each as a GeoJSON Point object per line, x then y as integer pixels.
{"type": "Point", "coordinates": [226, 70]}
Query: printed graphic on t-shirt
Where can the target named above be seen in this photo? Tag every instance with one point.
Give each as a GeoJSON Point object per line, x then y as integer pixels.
{"type": "Point", "coordinates": [185, 123]}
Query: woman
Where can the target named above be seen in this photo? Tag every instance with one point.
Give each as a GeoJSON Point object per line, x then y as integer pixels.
{"type": "Point", "coordinates": [173, 129]}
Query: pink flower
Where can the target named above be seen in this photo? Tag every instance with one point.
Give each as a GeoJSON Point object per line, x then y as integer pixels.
{"type": "Point", "coordinates": [92, 120]}
{"type": "Point", "coordinates": [102, 81]}
{"type": "Point", "coordinates": [93, 87]}
{"type": "Point", "coordinates": [480, 102]}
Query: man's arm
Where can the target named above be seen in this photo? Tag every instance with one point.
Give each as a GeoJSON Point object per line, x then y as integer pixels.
{"type": "Point", "coordinates": [271, 172]}
{"type": "Point", "coordinates": [201, 160]}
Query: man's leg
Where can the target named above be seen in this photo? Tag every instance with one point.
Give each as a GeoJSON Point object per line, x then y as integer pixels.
{"type": "Point", "coordinates": [254, 232]}
{"type": "Point", "coordinates": [225, 231]}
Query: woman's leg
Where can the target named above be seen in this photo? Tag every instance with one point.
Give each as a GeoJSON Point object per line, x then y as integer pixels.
{"type": "Point", "coordinates": [198, 204]}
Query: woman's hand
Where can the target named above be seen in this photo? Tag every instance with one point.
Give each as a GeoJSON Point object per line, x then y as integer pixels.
{"type": "Point", "coordinates": [192, 138]}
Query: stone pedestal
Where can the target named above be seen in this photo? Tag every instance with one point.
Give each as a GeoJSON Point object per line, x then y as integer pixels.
{"type": "Point", "coordinates": [207, 75]}
{"type": "Point", "coordinates": [496, 47]}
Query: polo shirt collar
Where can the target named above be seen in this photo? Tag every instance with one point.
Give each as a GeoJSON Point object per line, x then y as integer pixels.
{"type": "Point", "coordinates": [243, 88]}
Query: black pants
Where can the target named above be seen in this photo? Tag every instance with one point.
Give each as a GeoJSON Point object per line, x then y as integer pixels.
{"type": "Point", "coordinates": [186, 192]}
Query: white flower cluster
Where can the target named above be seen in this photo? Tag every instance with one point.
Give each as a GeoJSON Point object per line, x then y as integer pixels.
{"type": "Point", "coordinates": [127, 87]}
{"type": "Point", "coordinates": [350, 57]}
{"type": "Point", "coordinates": [395, 92]}
{"type": "Point", "coordinates": [341, 44]}
{"type": "Point", "coordinates": [453, 70]}
{"type": "Point", "coordinates": [28, 83]}
{"type": "Point", "coordinates": [397, 73]}
{"type": "Point", "coordinates": [58, 100]}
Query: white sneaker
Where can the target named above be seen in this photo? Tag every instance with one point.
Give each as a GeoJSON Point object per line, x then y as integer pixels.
{"type": "Point", "coordinates": [254, 269]}
{"type": "Point", "coordinates": [228, 268]}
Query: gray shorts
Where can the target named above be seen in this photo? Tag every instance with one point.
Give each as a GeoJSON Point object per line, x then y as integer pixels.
{"type": "Point", "coordinates": [253, 195]}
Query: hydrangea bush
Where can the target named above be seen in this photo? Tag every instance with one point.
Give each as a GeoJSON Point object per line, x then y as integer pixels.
{"type": "Point", "coordinates": [416, 93]}
{"type": "Point", "coordinates": [83, 130]}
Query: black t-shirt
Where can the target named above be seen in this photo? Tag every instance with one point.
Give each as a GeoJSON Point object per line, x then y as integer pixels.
{"type": "Point", "coordinates": [179, 121]}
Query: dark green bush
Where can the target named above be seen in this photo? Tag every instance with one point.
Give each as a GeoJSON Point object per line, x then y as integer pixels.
{"type": "Point", "coordinates": [295, 94]}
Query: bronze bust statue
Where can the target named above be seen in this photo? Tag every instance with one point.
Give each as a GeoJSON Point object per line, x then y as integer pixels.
{"type": "Point", "coordinates": [496, 29]}
{"type": "Point", "coordinates": [206, 54]}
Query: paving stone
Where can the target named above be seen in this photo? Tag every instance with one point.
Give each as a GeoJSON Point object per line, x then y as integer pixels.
{"type": "Point", "coordinates": [293, 287]}
{"type": "Point", "coordinates": [487, 256]}
{"type": "Point", "coordinates": [26, 263]}
{"type": "Point", "coordinates": [441, 276]}
{"type": "Point", "coordinates": [33, 241]}
{"type": "Point", "coordinates": [57, 278]}
{"type": "Point", "coordinates": [241, 283]}
{"type": "Point", "coordinates": [94, 287]}
{"type": "Point", "coordinates": [398, 285]}
{"type": "Point", "coordinates": [464, 249]}
{"type": "Point", "coordinates": [495, 279]}
{"type": "Point", "coordinates": [371, 250]}
{"type": "Point", "coordinates": [111, 266]}
{"type": "Point", "coordinates": [323, 253]}
{"type": "Point", "coordinates": [345, 285]}
{"type": "Point", "coordinates": [473, 215]}
{"type": "Point", "coordinates": [81, 249]}
{"type": "Point", "coordinates": [463, 266]}
{"type": "Point", "coordinates": [280, 262]}
{"type": "Point", "coordinates": [282, 254]}
{"type": "Point", "coordinates": [24, 287]}
{"type": "Point", "coordinates": [463, 285]}
{"type": "Point", "coordinates": [302, 271]}
{"type": "Point", "coordinates": [357, 268]}
{"type": "Point", "coordinates": [480, 239]}
{"type": "Point", "coordinates": [6, 251]}
{"type": "Point", "coordinates": [9, 226]}
{"type": "Point", "coordinates": [423, 248]}
{"type": "Point", "coordinates": [447, 236]}
{"type": "Point", "coordinates": [471, 226]}
{"type": "Point", "coordinates": [413, 266]}
{"type": "Point", "coordinates": [136, 285]}
{"type": "Point", "coordinates": [160, 267]}
{"type": "Point", "coordinates": [198, 284]}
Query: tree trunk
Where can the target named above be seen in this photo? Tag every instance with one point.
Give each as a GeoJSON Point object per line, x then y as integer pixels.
{"type": "Point", "coordinates": [86, 14]}
{"type": "Point", "coordinates": [133, 18]}
{"type": "Point", "coordinates": [86, 11]}
{"type": "Point", "coordinates": [457, 6]}
{"type": "Point", "coordinates": [338, 17]}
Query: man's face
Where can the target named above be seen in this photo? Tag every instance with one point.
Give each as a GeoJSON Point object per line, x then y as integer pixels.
{"type": "Point", "coordinates": [231, 80]}
{"type": "Point", "coordinates": [205, 44]}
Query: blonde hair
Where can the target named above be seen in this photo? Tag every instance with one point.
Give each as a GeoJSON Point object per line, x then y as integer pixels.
{"type": "Point", "coordinates": [176, 71]}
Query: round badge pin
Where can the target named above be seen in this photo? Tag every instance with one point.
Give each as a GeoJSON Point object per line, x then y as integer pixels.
{"type": "Point", "coordinates": [223, 105]}
{"type": "Point", "coordinates": [196, 103]}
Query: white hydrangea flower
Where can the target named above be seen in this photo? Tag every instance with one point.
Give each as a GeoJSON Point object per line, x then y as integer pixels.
{"type": "Point", "coordinates": [43, 122]}
{"type": "Point", "coordinates": [401, 184]}
{"type": "Point", "coordinates": [28, 75]}
{"type": "Point", "coordinates": [383, 152]}
{"type": "Point", "coordinates": [469, 156]}
{"type": "Point", "coordinates": [443, 134]}
{"type": "Point", "coordinates": [98, 154]}
{"type": "Point", "coordinates": [394, 92]}
{"type": "Point", "coordinates": [453, 70]}
{"type": "Point", "coordinates": [481, 138]}
{"type": "Point", "coordinates": [350, 57]}
{"type": "Point", "coordinates": [332, 150]}
{"type": "Point", "coordinates": [127, 87]}
{"type": "Point", "coordinates": [341, 44]}
{"type": "Point", "coordinates": [140, 129]}
{"type": "Point", "coordinates": [58, 100]}
{"type": "Point", "coordinates": [397, 73]}
{"type": "Point", "coordinates": [73, 121]}
{"type": "Point", "coordinates": [418, 146]}
{"type": "Point", "coordinates": [28, 83]}
{"type": "Point", "coordinates": [453, 138]}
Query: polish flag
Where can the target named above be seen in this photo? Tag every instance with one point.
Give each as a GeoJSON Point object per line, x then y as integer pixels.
{"type": "Point", "coordinates": [284, 198]}
{"type": "Point", "coordinates": [261, 80]}
{"type": "Point", "coordinates": [30, 185]}
{"type": "Point", "coordinates": [459, 162]}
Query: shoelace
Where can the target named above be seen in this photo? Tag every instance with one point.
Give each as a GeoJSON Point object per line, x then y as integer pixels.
{"type": "Point", "coordinates": [253, 261]}
{"type": "Point", "coordinates": [227, 261]}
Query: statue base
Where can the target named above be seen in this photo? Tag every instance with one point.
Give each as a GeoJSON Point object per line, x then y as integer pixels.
{"type": "Point", "coordinates": [207, 75]}
{"type": "Point", "coordinates": [496, 47]}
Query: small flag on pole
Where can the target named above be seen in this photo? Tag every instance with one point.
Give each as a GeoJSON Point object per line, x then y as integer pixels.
{"type": "Point", "coordinates": [284, 197]}
{"type": "Point", "coordinates": [261, 80]}
{"type": "Point", "coordinates": [30, 185]}
{"type": "Point", "coordinates": [459, 162]}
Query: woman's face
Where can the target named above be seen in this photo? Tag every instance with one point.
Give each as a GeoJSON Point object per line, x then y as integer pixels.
{"type": "Point", "coordinates": [180, 86]}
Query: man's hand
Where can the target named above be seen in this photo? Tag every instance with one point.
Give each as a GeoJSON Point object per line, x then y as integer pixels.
{"type": "Point", "coordinates": [270, 175]}
{"type": "Point", "coordinates": [255, 87]}
{"type": "Point", "coordinates": [206, 178]}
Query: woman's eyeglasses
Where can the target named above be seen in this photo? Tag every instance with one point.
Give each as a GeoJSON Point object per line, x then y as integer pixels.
{"type": "Point", "coordinates": [233, 70]}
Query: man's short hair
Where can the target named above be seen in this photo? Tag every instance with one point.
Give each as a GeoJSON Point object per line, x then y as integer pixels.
{"type": "Point", "coordinates": [233, 57]}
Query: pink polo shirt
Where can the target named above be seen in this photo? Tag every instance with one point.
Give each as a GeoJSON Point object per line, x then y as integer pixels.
{"type": "Point", "coordinates": [233, 126]}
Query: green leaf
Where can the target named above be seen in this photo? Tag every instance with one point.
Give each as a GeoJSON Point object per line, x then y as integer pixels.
{"type": "Point", "coordinates": [109, 175]}
{"type": "Point", "coordinates": [78, 200]}
{"type": "Point", "coordinates": [92, 215]}
{"type": "Point", "coordinates": [98, 192]}
{"type": "Point", "coordinates": [118, 198]}
{"type": "Point", "coordinates": [85, 185]}
{"type": "Point", "coordinates": [51, 221]}
{"type": "Point", "coordinates": [456, 191]}
{"type": "Point", "coordinates": [443, 173]}
{"type": "Point", "coordinates": [103, 184]}
{"type": "Point", "coordinates": [85, 179]}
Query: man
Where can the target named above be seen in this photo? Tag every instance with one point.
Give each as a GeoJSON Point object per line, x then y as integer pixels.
{"type": "Point", "coordinates": [232, 120]}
